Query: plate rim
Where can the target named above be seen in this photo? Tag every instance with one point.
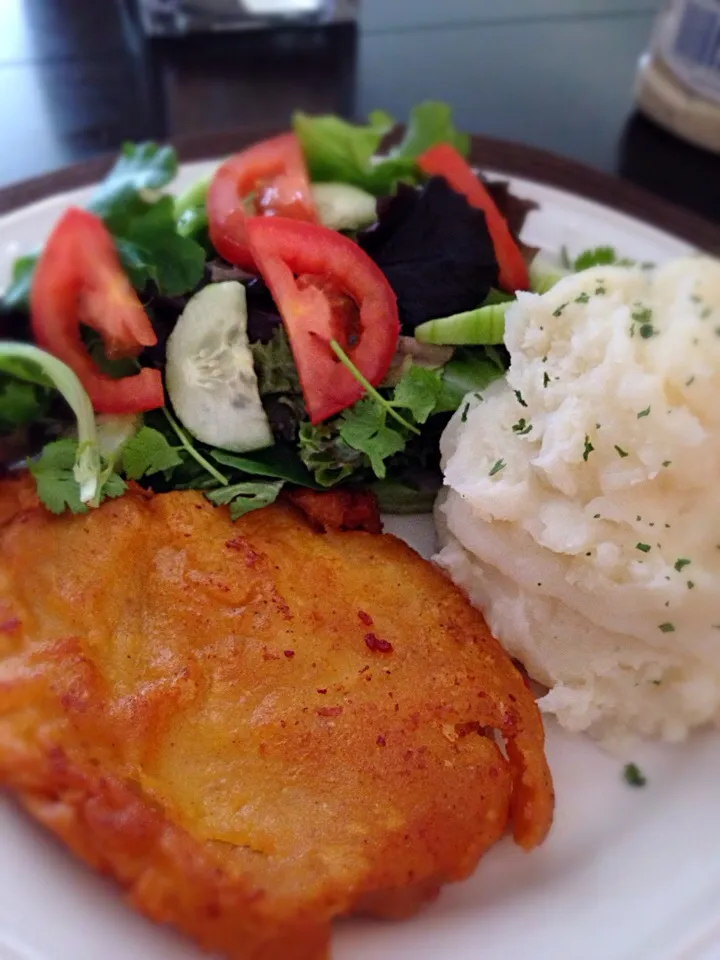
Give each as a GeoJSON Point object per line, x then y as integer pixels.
{"type": "Point", "coordinates": [514, 159]}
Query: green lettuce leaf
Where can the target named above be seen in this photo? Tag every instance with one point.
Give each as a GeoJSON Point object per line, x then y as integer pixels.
{"type": "Point", "coordinates": [143, 226]}
{"type": "Point", "coordinates": [336, 150]}
{"type": "Point", "coordinates": [430, 123]}
{"type": "Point", "coordinates": [151, 249]}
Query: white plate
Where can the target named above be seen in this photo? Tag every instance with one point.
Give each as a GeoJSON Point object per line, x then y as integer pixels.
{"type": "Point", "coordinates": [625, 875]}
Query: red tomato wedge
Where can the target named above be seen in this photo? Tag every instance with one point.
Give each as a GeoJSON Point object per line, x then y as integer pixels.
{"type": "Point", "coordinates": [267, 179]}
{"type": "Point", "coordinates": [444, 161]}
{"type": "Point", "coordinates": [78, 279]}
{"type": "Point", "coordinates": [339, 294]}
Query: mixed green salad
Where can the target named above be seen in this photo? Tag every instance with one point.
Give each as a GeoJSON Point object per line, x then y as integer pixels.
{"type": "Point", "coordinates": [311, 315]}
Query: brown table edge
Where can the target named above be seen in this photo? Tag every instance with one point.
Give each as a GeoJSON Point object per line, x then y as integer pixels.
{"type": "Point", "coordinates": [512, 158]}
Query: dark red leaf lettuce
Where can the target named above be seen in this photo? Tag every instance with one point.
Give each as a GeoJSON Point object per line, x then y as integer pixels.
{"type": "Point", "coordinates": [435, 250]}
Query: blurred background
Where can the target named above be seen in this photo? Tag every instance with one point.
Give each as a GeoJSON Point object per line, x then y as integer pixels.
{"type": "Point", "coordinates": [80, 76]}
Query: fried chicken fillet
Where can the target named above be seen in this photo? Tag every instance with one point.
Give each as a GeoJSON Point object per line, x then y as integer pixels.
{"type": "Point", "coordinates": [256, 727]}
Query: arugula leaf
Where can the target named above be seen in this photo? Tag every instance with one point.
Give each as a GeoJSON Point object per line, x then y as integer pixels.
{"type": "Point", "coordinates": [364, 427]}
{"type": "Point", "coordinates": [146, 453]}
{"type": "Point", "coordinates": [140, 167]}
{"type": "Point", "coordinates": [280, 462]}
{"type": "Point", "coordinates": [242, 498]}
{"type": "Point", "coordinates": [57, 487]}
{"type": "Point", "coordinates": [430, 123]}
{"type": "Point", "coordinates": [151, 249]}
{"type": "Point", "coordinates": [17, 292]}
{"type": "Point", "coordinates": [21, 403]}
{"type": "Point", "coordinates": [326, 455]}
{"type": "Point", "coordinates": [597, 257]}
{"type": "Point", "coordinates": [418, 391]}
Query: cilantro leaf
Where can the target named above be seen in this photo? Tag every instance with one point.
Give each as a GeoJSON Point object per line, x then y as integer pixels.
{"type": "Point", "coordinates": [326, 455]}
{"type": "Point", "coordinates": [150, 248]}
{"type": "Point", "coordinates": [140, 166]}
{"type": "Point", "coordinates": [418, 391]}
{"type": "Point", "coordinates": [364, 427]}
{"type": "Point", "coordinates": [113, 487]}
{"type": "Point", "coordinates": [55, 481]}
{"type": "Point", "coordinates": [242, 498]}
{"type": "Point", "coordinates": [430, 123]}
{"type": "Point", "coordinates": [146, 453]}
{"type": "Point", "coordinates": [597, 257]}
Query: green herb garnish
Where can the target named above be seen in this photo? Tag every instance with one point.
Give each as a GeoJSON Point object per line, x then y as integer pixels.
{"type": "Point", "coordinates": [633, 776]}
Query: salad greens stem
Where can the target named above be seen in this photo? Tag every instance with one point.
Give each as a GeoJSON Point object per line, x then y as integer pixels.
{"type": "Point", "coordinates": [195, 454]}
{"type": "Point", "coordinates": [88, 468]}
{"type": "Point", "coordinates": [369, 388]}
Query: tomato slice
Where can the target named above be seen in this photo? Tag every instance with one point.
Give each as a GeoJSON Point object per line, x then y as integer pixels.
{"type": "Point", "coordinates": [444, 161]}
{"type": "Point", "coordinates": [267, 179]}
{"type": "Point", "coordinates": [78, 279]}
{"type": "Point", "coordinates": [339, 293]}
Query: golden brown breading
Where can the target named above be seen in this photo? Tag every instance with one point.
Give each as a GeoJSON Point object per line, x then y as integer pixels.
{"type": "Point", "coordinates": [255, 727]}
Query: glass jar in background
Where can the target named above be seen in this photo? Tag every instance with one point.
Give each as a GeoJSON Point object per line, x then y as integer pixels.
{"type": "Point", "coordinates": [678, 81]}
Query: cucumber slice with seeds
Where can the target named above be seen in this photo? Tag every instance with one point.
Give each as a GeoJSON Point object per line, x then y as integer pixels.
{"type": "Point", "coordinates": [209, 371]}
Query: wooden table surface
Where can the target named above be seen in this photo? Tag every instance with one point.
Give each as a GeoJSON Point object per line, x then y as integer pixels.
{"type": "Point", "coordinates": [77, 78]}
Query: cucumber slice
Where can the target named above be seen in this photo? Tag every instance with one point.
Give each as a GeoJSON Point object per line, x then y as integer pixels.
{"type": "Point", "coordinates": [341, 206]}
{"type": "Point", "coordinates": [209, 371]}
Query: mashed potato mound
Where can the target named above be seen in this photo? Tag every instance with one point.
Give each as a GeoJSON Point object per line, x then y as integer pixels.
{"type": "Point", "coordinates": [583, 505]}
